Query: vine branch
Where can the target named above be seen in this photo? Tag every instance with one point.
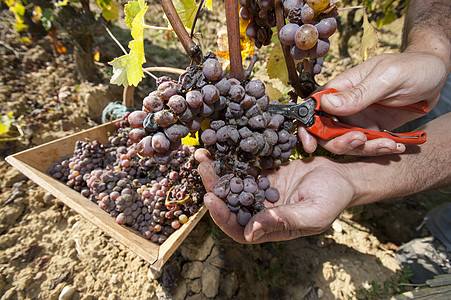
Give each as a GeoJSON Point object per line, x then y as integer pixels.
{"type": "Point", "coordinates": [292, 74]}
{"type": "Point", "coordinates": [188, 44]}
{"type": "Point", "coordinates": [233, 35]}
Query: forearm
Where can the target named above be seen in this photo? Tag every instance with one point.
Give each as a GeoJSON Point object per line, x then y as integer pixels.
{"type": "Point", "coordinates": [421, 168]}
{"type": "Point", "coordinates": [427, 28]}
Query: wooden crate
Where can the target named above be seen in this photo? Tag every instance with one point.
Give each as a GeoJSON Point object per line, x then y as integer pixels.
{"type": "Point", "coordinates": [34, 162]}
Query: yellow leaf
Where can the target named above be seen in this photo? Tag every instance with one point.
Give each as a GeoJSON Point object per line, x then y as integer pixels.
{"type": "Point", "coordinates": [37, 13]}
{"type": "Point", "coordinates": [205, 124]}
{"type": "Point", "coordinates": [369, 39]}
{"type": "Point", "coordinates": [131, 9]}
{"type": "Point", "coordinates": [276, 67]}
{"type": "Point", "coordinates": [97, 56]}
{"type": "Point", "coordinates": [189, 140]}
{"type": "Point", "coordinates": [209, 4]}
{"type": "Point", "coordinates": [187, 12]}
{"type": "Point", "coordinates": [273, 93]}
{"type": "Point", "coordinates": [9, 2]}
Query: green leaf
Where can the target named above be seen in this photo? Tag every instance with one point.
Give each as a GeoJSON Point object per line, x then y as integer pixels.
{"type": "Point", "coordinates": [387, 19]}
{"type": "Point", "coordinates": [186, 10]}
{"type": "Point", "coordinates": [5, 123]}
{"type": "Point", "coordinates": [131, 9]}
{"type": "Point", "coordinates": [110, 9]}
{"type": "Point", "coordinates": [46, 18]}
{"type": "Point", "coordinates": [276, 67]}
{"type": "Point", "coordinates": [369, 39]}
{"type": "Point", "coordinates": [127, 69]}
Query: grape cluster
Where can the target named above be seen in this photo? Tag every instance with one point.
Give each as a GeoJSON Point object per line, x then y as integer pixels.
{"type": "Point", "coordinates": [262, 18]}
{"type": "Point", "coordinates": [152, 198]}
{"type": "Point", "coordinates": [312, 22]}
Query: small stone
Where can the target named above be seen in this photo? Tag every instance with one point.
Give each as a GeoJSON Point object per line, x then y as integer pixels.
{"type": "Point", "coordinates": [192, 270]}
{"type": "Point", "coordinates": [67, 293]}
{"type": "Point", "coordinates": [229, 285]}
{"type": "Point", "coordinates": [337, 227]}
{"type": "Point", "coordinates": [210, 281]}
{"type": "Point", "coordinates": [320, 293]}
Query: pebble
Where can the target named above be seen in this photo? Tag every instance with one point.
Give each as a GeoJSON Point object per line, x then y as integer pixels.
{"type": "Point", "coordinates": [337, 227]}
{"type": "Point", "coordinates": [67, 293]}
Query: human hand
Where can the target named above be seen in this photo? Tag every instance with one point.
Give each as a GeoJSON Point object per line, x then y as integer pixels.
{"type": "Point", "coordinates": [313, 192]}
{"type": "Point", "coordinates": [392, 80]}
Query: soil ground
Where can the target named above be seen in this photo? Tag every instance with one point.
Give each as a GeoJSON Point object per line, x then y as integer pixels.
{"type": "Point", "coordinates": [46, 247]}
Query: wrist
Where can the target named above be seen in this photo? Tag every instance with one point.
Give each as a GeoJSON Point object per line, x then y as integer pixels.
{"type": "Point", "coordinates": [425, 41]}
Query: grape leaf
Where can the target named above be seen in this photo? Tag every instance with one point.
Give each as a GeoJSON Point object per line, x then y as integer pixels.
{"type": "Point", "coordinates": [186, 10]}
{"type": "Point", "coordinates": [127, 69]}
{"type": "Point", "coordinates": [191, 140]}
{"type": "Point", "coordinates": [369, 39]}
{"type": "Point", "coordinates": [110, 9]}
{"type": "Point", "coordinates": [131, 9]}
{"type": "Point", "coordinates": [209, 4]}
{"type": "Point", "coordinates": [276, 66]}
{"type": "Point", "coordinates": [273, 93]}
{"type": "Point", "coordinates": [9, 2]}
{"type": "Point", "coordinates": [5, 122]}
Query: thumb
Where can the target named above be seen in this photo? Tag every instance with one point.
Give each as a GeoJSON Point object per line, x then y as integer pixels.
{"type": "Point", "coordinates": [358, 97]}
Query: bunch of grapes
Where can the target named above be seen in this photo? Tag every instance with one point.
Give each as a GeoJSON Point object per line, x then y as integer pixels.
{"type": "Point", "coordinates": [139, 192]}
{"type": "Point", "coordinates": [242, 136]}
{"type": "Point", "coordinates": [312, 22]}
{"type": "Point", "coordinates": [262, 18]}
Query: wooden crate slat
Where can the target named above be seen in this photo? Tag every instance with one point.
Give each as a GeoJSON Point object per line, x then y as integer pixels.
{"type": "Point", "coordinates": [33, 164]}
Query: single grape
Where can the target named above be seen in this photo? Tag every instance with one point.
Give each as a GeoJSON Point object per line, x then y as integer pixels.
{"type": "Point", "coordinates": [176, 132]}
{"type": "Point", "coordinates": [272, 194]}
{"type": "Point", "coordinates": [153, 102]}
{"type": "Point", "coordinates": [223, 86]}
{"type": "Point", "coordinates": [326, 27]}
{"type": "Point", "coordinates": [160, 143]}
{"type": "Point", "coordinates": [137, 118]}
{"type": "Point", "coordinates": [137, 134]}
{"type": "Point", "coordinates": [144, 147]}
{"type": "Point", "coordinates": [233, 199]}
{"type": "Point", "coordinates": [306, 37]}
{"type": "Point", "coordinates": [212, 69]}
{"type": "Point", "coordinates": [287, 34]}
{"type": "Point", "coordinates": [245, 14]}
{"type": "Point", "coordinates": [290, 4]}
{"type": "Point", "coordinates": [255, 88]}
{"type": "Point", "coordinates": [177, 103]}
{"type": "Point", "coordinates": [246, 198]}
{"type": "Point", "coordinates": [251, 30]}
{"type": "Point", "coordinates": [236, 93]}
{"type": "Point", "coordinates": [320, 49]}
{"type": "Point", "coordinates": [263, 183]}
{"type": "Point", "coordinates": [208, 137]}
{"type": "Point", "coordinates": [297, 53]}
{"type": "Point", "coordinates": [243, 216]}
{"type": "Point", "coordinates": [207, 109]}
{"type": "Point", "coordinates": [318, 5]}
{"type": "Point", "coordinates": [257, 122]}
{"type": "Point", "coordinates": [164, 118]}
{"type": "Point", "coordinates": [307, 14]}
{"type": "Point", "coordinates": [316, 69]}
{"type": "Point", "coordinates": [250, 185]}
{"type": "Point", "coordinates": [194, 99]}
{"type": "Point", "coordinates": [216, 124]}
{"type": "Point", "coordinates": [210, 94]}
{"type": "Point", "coordinates": [259, 196]}
{"type": "Point", "coordinates": [247, 101]}
{"type": "Point", "coordinates": [168, 89]}
{"type": "Point", "coordinates": [236, 185]}
{"type": "Point", "coordinates": [222, 189]}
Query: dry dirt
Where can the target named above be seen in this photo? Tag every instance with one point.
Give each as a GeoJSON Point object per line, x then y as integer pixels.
{"type": "Point", "coordinates": [45, 247]}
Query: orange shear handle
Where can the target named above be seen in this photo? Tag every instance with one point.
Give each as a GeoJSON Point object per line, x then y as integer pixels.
{"type": "Point", "coordinates": [326, 128]}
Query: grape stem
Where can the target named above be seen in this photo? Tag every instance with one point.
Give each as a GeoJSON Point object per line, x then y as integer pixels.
{"type": "Point", "coordinates": [291, 67]}
{"type": "Point", "coordinates": [248, 72]}
{"type": "Point", "coordinates": [188, 44]}
{"type": "Point", "coordinates": [233, 34]}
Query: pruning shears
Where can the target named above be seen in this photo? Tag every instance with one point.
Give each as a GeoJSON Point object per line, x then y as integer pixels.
{"type": "Point", "coordinates": [325, 126]}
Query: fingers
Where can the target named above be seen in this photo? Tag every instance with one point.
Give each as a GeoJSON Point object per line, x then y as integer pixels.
{"type": "Point", "coordinates": [282, 223]}
{"type": "Point", "coordinates": [309, 142]}
{"type": "Point", "coordinates": [355, 143]}
{"type": "Point", "coordinates": [376, 83]}
{"type": "Point", "coordinates": [202, 155]}
{"type": "Point", "coordinates": [208, 175]}
{"type": "Point", "coordinates": [225, 219]}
